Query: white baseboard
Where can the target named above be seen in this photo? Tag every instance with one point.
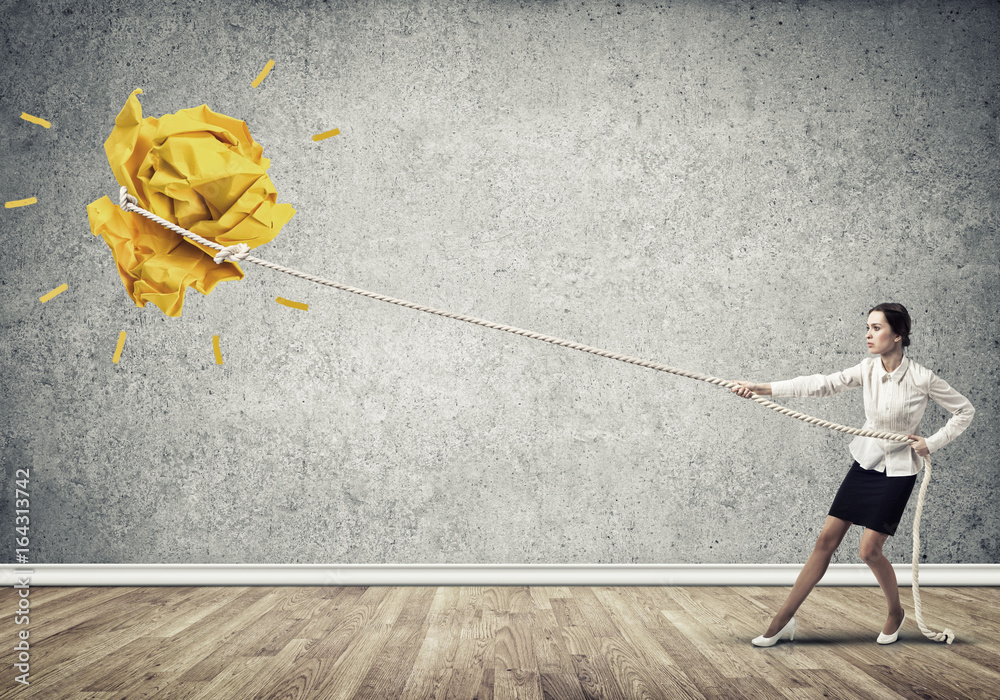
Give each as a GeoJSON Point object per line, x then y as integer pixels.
{"type": "Point", "coordinates": [480, 575]}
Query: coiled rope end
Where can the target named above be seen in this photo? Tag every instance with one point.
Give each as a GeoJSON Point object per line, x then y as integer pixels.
{"type": "Point", "coordinates": [946, 636]}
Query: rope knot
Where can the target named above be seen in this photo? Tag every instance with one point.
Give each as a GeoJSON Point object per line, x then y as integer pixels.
{"type": "Point", "coordinates": [237, 253]}
{"type": "Point", "coordinates": [124, 198]}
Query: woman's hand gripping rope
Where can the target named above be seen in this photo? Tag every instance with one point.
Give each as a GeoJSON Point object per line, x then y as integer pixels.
{"type": "Point", "coordinates": [748, 389]}
{"type": "Point", "coordinates": [919, 445]}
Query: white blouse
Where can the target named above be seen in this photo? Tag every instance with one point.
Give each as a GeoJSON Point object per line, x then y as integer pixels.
{"type": "Point", "coordinates": [893, 402]}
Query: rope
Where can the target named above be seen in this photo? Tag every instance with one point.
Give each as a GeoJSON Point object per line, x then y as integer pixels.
{"type": "Point", "coordinates": [240, 252]}
{"type": "Point", "coordinates": [946, 634]}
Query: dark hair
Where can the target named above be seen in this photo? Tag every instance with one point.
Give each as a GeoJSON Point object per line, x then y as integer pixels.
{"type": "Point", "coordinates": [898, 318]}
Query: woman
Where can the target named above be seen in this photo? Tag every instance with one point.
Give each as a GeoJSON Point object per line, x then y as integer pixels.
{"type": "Point", "coordinates": [875, 491]}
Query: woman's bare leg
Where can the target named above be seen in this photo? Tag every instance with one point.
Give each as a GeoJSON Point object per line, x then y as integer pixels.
{"type": "Point", "coordinates": [871, 553]}
{"type": "Point", "coordinates": [826, 544]}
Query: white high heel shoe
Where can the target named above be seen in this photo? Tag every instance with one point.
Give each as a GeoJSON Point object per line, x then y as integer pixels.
{"type": "Point", "coordinates": [890, 638]}
{"type": "Point", "coordinates": [763, 641]}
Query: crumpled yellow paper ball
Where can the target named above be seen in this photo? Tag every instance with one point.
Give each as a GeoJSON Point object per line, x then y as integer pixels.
{"type": "Point", "coordinates": [200, 170]}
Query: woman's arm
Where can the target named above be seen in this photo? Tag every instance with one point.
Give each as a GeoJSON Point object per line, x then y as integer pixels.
{"type": "Point", "coordinates": [746, 387]}
{"type": "Point", "coordinates": [956, 404]}
{"type": "Point", "coordinates": [812, 385]}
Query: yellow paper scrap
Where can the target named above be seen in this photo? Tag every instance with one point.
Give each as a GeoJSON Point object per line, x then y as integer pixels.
{"type": "Point", "coordinates": [118, 350]}
{"type": "Point", "coordinates": [35, 120]}
{"type": "Point", "coordinates": [217, 349]}
{"type": "Point", "coordinates": [20, 202]}
{"type": "Point", "coordinates": [263, 74]}
{"type": "Point", "coordinates": [326, 134]}
{"type": "Point", "coordinates": [293, 304]}
{"type": "Point", "coordinates": [55, 292]}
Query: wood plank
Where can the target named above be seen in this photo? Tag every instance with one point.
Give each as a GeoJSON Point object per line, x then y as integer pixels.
{"type": "Point", "coordinates": [181, 611]}
{"type": "Point", "coordinates": [690, 659]}
{"type": "Point", "coordinates": [836, 686]}
{"type": "Point", "coordinates": [550, 651]}
{"type": "Point", "coordinates": [340, 679]}
{"type": "Point", "coordinates": [206, 650]}
{"type": "Point", "coordinates": [515, 649]}
{"type": "Point", "coordinates": [561, 686]}
{"type": "Point", "coordinates": [633, 622]}
{"type": "Point", "coordinates": [592, 671]}
{"type": "Point", "coordinates": [435, 664]}
{"type": "Point", "coordinates": [641, 680]}
{"type": "Point", "coordinates": [597, 618]}
{"type": "Point", "coordinates": [327, 613]}
{"type": "Point", "coordinates": [517, 683]}
{"type": "Point", "coordinates": [473, 658]}
{"type": "Point", "coordinates": [246, 676]}
{"type": "Point", "coordinates": [485, 691]}
{"type": "Point", "coordinates": [392, 666]}
{"type": "Point", "coordinates": [351, 618]}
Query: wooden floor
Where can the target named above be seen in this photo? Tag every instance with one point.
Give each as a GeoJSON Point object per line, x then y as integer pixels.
{"type": "Point", "coordinates": [494, 642]}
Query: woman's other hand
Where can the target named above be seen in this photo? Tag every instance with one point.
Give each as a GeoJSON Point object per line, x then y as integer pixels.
{"type": "Point", "coordinates": [920, 446]}
{"type": "Point", "coordinates": [745, 388]}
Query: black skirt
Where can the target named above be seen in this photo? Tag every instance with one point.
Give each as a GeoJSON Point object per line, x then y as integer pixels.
{"type": "Point", "coordinates": [872, 499]}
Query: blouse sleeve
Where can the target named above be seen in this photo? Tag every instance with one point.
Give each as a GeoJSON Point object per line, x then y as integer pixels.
{"type": "Point", "coordinates": [817, 385]}
{"type": "Point", "coordinates": [956, 404]}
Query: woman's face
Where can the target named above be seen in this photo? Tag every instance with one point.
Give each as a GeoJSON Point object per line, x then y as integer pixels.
{"type": "Point", "coordinates": [880, 337]}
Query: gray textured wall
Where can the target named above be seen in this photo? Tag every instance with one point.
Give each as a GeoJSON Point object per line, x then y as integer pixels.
{"type": "Point", "coordinates": [716, 186]}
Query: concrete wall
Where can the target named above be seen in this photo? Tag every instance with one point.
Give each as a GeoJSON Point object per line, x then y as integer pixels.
{"type": "Point", "coordinates": [721, 187]}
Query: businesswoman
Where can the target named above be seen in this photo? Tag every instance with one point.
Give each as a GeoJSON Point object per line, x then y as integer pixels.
{"type": "Point", "coordinates": [877, 487]}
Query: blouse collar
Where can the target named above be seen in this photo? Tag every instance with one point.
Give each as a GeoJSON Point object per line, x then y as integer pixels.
{"type": "Point", "coordinates": [894, 376]}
